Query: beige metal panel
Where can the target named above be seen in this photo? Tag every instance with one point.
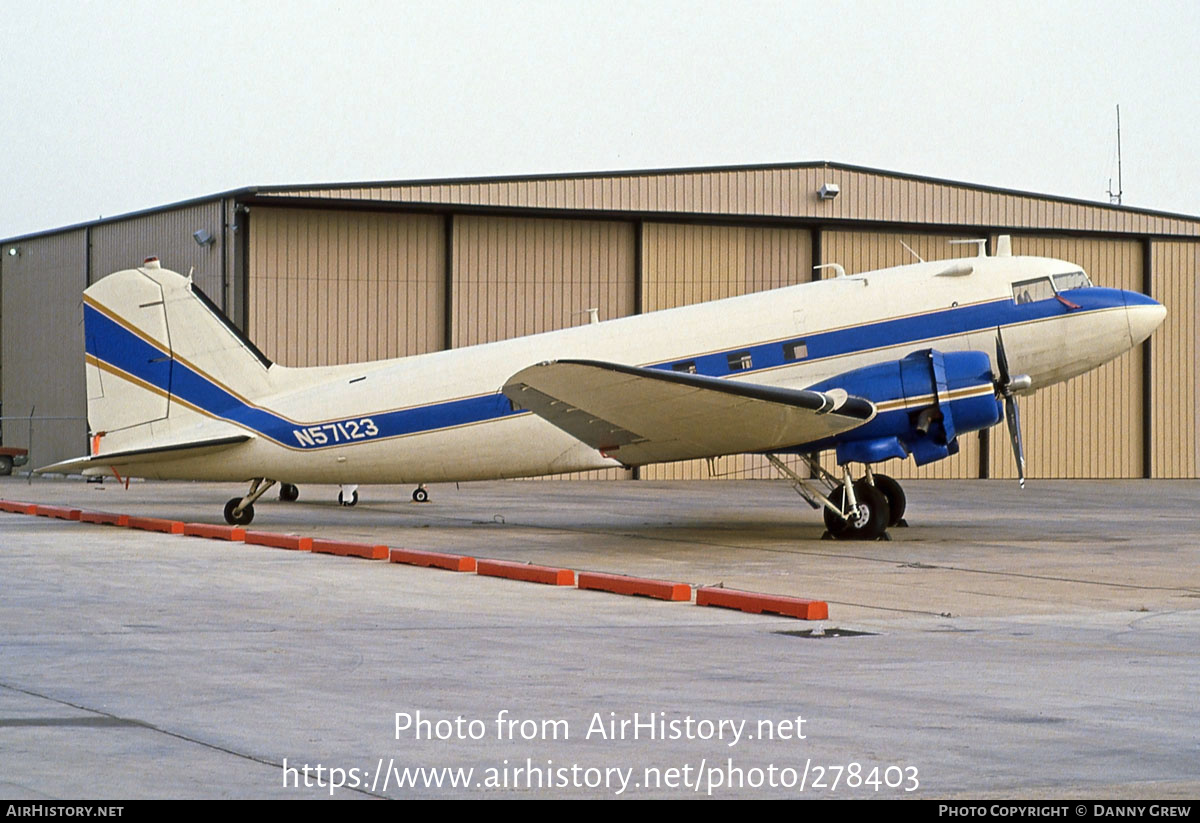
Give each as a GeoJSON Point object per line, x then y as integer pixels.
{"type": "Point", "coordinates": [1091, 426]}
{"type": "Point", "coordinates": [330, 287]}
{"type": "Point", "coordinates": [41, 345]}
{"type": "Point", "coordinates": [1175, 368]}
{"type": "Point", "coordinates": [514, 277]}
{"type": "Point", "coordinates": [783, 191]}
{"type": "Point", "coordinates": [684, 264]}
{"type": "Point", "coordinates": [167, 235]}
{"type": "Point", "coordinates": [866, 251]}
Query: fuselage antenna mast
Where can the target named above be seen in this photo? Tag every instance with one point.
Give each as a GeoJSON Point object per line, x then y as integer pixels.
{"type": "Point", "coordinates": [1115, 197]}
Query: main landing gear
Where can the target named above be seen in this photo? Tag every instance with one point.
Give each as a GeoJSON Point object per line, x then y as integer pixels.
{"type": "Point", "coordinates": [860, 509]}
{"type": "Point", "coordinates": [239, 511]}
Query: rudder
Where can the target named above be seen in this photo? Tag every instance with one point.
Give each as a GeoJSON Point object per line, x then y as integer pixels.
{"type": "Point", "coordinates": [161, 359]}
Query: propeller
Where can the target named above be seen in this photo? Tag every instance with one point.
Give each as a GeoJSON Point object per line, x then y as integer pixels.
{"type": "Point", "coordinates": [1008, 387]}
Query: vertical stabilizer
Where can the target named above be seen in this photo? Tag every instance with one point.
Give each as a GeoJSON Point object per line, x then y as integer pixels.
{"type": "Point", "coordinates": [159, 354]}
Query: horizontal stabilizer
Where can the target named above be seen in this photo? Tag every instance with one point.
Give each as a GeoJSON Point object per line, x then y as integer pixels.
{"type": "Point", "coordinates": [639, 415]}
{"type": "Point", "coordinates": [141, 457]}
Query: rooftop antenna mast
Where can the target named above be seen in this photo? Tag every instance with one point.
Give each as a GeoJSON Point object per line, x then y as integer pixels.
{"type": "Point", "coordinates": [1116, 197]}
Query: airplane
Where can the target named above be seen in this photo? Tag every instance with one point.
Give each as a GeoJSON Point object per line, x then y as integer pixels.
{"type": "Point", "coordinates": [893, 363]}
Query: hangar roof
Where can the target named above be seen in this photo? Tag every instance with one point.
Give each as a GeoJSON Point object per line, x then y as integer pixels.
{"type": "Point", "coordinates": [784, 192]}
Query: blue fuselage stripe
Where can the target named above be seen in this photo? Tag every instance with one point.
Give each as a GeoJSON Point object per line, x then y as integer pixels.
{"type": "Point", "coordinates": [112, 343]}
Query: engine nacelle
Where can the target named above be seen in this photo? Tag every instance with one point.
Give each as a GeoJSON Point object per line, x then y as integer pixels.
{"type": "Point", "coordinates": [924, 402]}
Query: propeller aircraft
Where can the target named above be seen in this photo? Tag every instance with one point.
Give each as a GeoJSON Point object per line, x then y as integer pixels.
{"type": "Point", "coordinates": [893, 363]}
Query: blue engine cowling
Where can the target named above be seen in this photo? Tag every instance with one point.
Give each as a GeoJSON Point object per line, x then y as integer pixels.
{"type": "Point", "coordinates": [924, 402]}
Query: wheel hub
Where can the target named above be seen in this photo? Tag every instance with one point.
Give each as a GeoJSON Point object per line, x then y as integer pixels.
{"type": "Point", "coordinates": [860, 516]}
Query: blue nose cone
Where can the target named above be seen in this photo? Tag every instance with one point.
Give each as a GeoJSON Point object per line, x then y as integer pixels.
{"type": "Point", "coordinates": [1144, 314]}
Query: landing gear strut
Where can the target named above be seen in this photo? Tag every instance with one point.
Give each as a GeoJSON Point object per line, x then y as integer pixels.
{"type": "Point", "coordinates": [239, 511]}
{"type": "Point", "coordinates": [853, 510]}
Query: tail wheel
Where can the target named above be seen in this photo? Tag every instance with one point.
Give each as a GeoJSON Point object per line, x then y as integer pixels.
{"type": "Point", "coordinates": [868, 522]}
{"type": "Point", "coordinates": [420, 495]}
{"type": "Point", "coordinates": [895, 498]}
{"type": "Point", "coordinates": [288, 492]}
{"type": "Point", "coordinates": [242, 519]}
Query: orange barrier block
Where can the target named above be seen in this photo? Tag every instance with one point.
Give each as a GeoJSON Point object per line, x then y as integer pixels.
{"type": "Point", "coordinates": [156, 524]}
{"type": "Point", "coordinates": [758, 603]}
{"type": "Point", "coordinates": [437, 560]}
{"type": "Point", "coordinates": [279, 541]}
{"type": "Point", "coordinates": [343, 549]}
{"type": "Point", "coordinates": [523, 571]}
{"type": "Point", "coordinates": [61, 512]}
{"type": "Point", "coordinates": [214, 532]}
{"type": "Point", "coordinates": [104, 518]}
{"type": "Point", "coordinates": [619, 584]}
{"type": "Point", "coordinates": [18, 508]}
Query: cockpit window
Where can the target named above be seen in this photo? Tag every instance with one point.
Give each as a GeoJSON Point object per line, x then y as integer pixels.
{"type": "Point", "coordinates": [1030, 291]}
{"type": "Point", "coordinates": [1071, 280]}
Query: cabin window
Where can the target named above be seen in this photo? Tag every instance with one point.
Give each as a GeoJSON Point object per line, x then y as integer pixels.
{"type": "Point", "coordinates": [686, 366]}
{"type": "Point", "coordinates": [1071, 280]}
{"type": "Point", "coordinates": [740, 361]}
{"type": "Point", "coordinates": [1031, 291]}
{"type": "Point", "coordinates": [796, 350]}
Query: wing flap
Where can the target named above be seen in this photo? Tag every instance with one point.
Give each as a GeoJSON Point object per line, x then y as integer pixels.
{"type": "Point", "coordinates": [639, 415]}
{"type": "Point", "coordinates": [142, 457]}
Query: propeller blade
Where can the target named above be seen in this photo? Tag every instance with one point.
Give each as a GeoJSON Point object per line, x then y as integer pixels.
{"type": "Point", "coordinates": [1013, 415]}
{"type": "Point", "coordinates": [1001, 360]}
{"type": "Point", "coordinates": [1006, 385]}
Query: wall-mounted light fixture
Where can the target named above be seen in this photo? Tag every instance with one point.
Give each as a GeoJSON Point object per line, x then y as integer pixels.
{"type": "Point", "coordinates": [204, 237]}
{"type": "Point", "coordinates": [828, 191]}
{"type": "Point", "coordinates": [14, 251]}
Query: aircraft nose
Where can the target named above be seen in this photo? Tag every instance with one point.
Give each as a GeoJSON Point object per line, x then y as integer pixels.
{"type": "Point", "coordinates": [1144, 315]}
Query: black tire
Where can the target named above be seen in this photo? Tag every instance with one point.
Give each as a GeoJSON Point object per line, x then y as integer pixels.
{"type": "Point", "coordinates": [242, 519]}
{"type": "Point", "coordinates": [896, 500]}
{"type": "Point", "coordinates": [420, 496]}
{"type": "Point", "coordinates": [872, 521]}
{"type": "Point", "coordinates": [348, 501]}
{"type": "Point", "coordinates": [288, 493]}
{"type": "Point", "coordinates": [5, 465]}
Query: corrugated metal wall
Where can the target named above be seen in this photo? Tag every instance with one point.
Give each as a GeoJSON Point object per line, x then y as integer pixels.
{"type": "Point", "coordinates": [341, 287]}
{"type": "Point", "coordinates": [42, 346]}
{"type": "Point", "coordinates": [168, 236]}
{"type": "Point", "coordinates": [513, 277]}
{"type": "Point", "coordinates": [859, 251]}
{"type": "Point", "coordinates": [684, 264]}
{"type": "Point", "coordinates": [777, 192]}
{"type": "Point", "coordinates": [1175, 368]}
{"type": "Point", "coordinates": [1090, 426]}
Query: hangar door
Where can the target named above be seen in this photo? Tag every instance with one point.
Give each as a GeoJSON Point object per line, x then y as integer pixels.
{"type": "Point", "coordinates": [330, 287]}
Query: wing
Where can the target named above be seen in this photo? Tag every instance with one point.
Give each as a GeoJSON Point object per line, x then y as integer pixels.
{"type": "Point", "coordinates": [639, 415]}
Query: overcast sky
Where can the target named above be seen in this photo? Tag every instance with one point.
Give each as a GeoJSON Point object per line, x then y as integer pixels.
{"type": "Point", "coordinates": [109, 107]}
